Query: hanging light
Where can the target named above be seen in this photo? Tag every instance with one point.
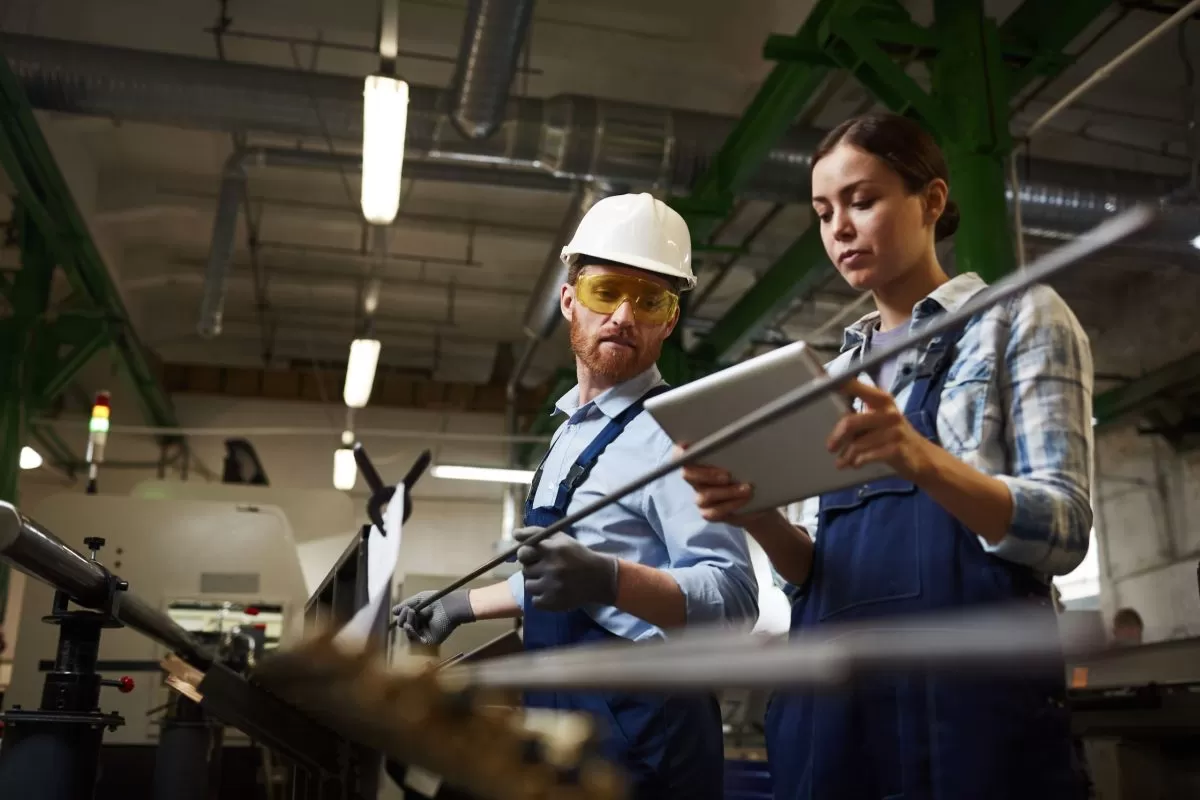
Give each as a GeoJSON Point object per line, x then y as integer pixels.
{"type": "Point", "coordinates": [345, 470]}
{"type": "Point", "coordinates": [385, 117]}
{"type": "Point", "coordinates": [30, 458]}
{"type": "Point", "coordinates": [360, 372]}
{"type": "Point", "coordinates": [488, 474]}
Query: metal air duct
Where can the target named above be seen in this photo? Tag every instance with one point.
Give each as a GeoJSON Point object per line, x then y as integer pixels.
{"type": "Point", "coordinates": [220, 253]}
{"type": "Point", "coordinates": [493, 35]}
{"type": "Point", "coordinates": [568, 137]}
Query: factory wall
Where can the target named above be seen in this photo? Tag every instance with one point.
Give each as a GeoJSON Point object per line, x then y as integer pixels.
{"type": "Point", "coordinates": [454, 524]}
{"type": "Point", "coordinates": [1147, 518]}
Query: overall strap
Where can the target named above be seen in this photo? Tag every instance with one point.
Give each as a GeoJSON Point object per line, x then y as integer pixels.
{"type": "Point", "coordinates": [591, 454]}
{"type": "Point", "coordinates": [931, 369]}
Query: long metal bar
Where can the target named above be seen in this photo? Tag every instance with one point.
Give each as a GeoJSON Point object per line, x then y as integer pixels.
{"type": "Point", "coordinates": [993, 642]}
{"type": "Point", "coordinates": [1103, 235]}
{"type": "Point", "coordinates": [39, 553]}
{"type": "Point", "coordinates": [1108, 69]}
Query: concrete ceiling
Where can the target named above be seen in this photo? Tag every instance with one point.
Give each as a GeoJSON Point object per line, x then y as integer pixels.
{"type": "Point", "coordinates": [464, 259]}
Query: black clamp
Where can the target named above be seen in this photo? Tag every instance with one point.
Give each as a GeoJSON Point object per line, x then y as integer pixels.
{"type": "Point", "coordinates": [381, 493]}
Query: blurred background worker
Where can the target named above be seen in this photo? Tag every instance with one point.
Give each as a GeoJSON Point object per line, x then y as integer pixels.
{"type": "Point", "coordinates": [1127, 628]}
{"type": "Point", "coordinates": [638, 568]}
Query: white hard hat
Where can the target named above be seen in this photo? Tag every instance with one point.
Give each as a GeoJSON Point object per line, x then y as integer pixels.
{"type": "Point", "coordinates": [638, 230]}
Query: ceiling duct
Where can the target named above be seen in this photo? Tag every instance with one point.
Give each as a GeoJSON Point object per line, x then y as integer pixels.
{"type": "Point", "coordinates": [493, 34]}
{"type": "Point", "coordinates": [220, 253]}
{"type": "Point", "coordinates": [568, 137]}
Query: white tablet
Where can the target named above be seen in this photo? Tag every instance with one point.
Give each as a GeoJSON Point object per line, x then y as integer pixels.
{"type": "Point", "coordinates": [785, 461]}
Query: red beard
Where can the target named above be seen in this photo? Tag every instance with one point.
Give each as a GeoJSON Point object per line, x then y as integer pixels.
{"type": "Point", "coordinates": [614, 364]}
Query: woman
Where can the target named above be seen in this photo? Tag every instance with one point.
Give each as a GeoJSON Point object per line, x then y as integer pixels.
{"type": "Point", "coordinates": [989, 433]}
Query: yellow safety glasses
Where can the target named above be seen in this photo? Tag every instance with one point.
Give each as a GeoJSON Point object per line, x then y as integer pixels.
{"type": "Point", "coordinates": [605, 293]}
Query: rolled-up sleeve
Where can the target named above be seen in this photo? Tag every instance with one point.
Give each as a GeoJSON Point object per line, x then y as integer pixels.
{"type": "Point", "coordinates": [1047, 387]}
{"type": "Point", "coordinates": [710, 561]}
{"type": "Point", "coordinates": [516, 585]}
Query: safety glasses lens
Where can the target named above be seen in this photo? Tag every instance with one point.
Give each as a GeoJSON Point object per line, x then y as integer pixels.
{"type": "Point", "coordinates": [604, 294]}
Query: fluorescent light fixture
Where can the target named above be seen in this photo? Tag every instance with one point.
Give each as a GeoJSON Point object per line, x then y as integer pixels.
{"type": "Point", "coordinates": [360, 372]}
{"type": "Point", "coordinates": [30, 458]}
{"type": "Point", "coordinates": [490, 474]}
{"type": "Point", "coordinates": [345, 471]}
{"type": "Point", "coordinates": [1196, 242]}
{"type": "Point", "coordinates": [385, 117]}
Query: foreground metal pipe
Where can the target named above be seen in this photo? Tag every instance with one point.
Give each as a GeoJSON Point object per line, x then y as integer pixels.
{"type": "Point", "coordinates": [40, 554]}
{"type": "Point", "coordinates": [997, 642]}
{"type": "Point", "coordinates": [1087, 244]}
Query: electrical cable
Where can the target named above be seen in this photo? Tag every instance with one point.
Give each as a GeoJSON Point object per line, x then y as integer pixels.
{"type": "Point", "coordinates": [1100, 237]}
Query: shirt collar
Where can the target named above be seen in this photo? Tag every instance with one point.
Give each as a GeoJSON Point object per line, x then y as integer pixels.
{"type": "Point", "coordinates": [950, 296]}
{"type": "Point", "coordinates": [612, 401]}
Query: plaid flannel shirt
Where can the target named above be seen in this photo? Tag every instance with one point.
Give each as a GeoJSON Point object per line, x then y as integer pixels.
{"type": "Point", "coordinates": [1017, 405]}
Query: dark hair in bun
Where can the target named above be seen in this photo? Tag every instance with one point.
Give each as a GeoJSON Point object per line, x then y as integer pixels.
{"type": "Point", "coordinates": [904, 146]}
{"type": "Point", "coordinates": [947, 223]}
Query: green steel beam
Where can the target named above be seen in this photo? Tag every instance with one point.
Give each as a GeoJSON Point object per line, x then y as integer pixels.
{"type": "Point", "coordinates": [543, 424]}
{"type": "Point", "coordinates": [18, 337]}
{"type": "Point", "coordinates": [54, 449]}
{"type": "Point", "coordinates": [82, 337]}
{"type": "Point", "coordinates": [1045, 29]}
{"type": "Point", "coordinates": [47, 199]}
{"type": "Point", "coordinates": [975, 135]}
{"type": "Point", "coordinates": [769, 115]}
{"type": "Point", "coordinates": [800, 270]}
{"type": "Point", "coordinates": [1116, 403]}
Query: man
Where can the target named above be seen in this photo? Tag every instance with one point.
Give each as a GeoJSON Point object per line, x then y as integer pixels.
{"type": "Point", "coordinates": [1127, 628]}
{"type": "Point", "coordinates": [647, 564]}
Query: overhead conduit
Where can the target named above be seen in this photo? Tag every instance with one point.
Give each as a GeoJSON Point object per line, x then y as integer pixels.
{"type": "Point", "coordinates": [493, 35]}
{"type": "Point", "coordinates": [568, 137]}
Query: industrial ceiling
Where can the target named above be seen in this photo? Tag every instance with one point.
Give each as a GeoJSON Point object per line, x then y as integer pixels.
{"type": "Point", "coordinates": [156, 111]}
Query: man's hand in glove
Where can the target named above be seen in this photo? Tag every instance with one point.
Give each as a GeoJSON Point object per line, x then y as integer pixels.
{"type": "Point", "coordinates": [562, 574]}
{"type": "Point", "coordinates": [432, 624]}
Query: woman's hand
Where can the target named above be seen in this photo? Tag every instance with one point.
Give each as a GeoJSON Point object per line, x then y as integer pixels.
{"type": "Point", "coordinates": [881, 433]}
{"type": "Point", "coordinates": [719, 497]}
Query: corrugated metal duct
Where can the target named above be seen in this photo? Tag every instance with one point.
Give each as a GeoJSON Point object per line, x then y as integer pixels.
{"type": "Point", "coordinates": [571, 137]}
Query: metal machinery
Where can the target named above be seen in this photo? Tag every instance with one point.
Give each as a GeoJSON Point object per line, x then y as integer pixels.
{"type": "Point", "coordinates": [1137, 711]}
{"type": "Point", "coordinates": [203, 563]}
{"type": "Point", "coordinates": [54, 751]}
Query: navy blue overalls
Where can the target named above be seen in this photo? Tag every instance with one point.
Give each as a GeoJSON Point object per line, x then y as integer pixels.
{"type": "Point", "coordinates": [887, 548]}
{"type": "Point", "coordinates": [669, 746]}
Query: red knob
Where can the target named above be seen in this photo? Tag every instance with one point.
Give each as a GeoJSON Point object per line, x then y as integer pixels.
{"type": "Point", "coordinates": [125, 684]}
{"type": "Point", "coordinates": [250, 611]}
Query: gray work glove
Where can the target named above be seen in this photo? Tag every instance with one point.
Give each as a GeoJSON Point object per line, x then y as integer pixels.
{"type": "Point", "coordinates": [562, 574]}
{"type": "Point", "coordinates": [434, 623]}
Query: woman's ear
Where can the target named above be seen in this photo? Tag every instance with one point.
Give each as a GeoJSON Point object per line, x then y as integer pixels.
{"type": "Point", "coordinates": [937, 193]}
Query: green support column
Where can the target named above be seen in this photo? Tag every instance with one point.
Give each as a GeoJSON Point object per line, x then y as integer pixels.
{"type": "Point", "coordinates": [800, 270]}
{"type": "Point", "coordinates": [30, 296]}
{"type": "Point", "coordinates": [970, 84]}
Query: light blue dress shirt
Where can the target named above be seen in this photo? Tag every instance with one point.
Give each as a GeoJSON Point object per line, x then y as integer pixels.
{"type": "Point", "coordinates": [659, 526]}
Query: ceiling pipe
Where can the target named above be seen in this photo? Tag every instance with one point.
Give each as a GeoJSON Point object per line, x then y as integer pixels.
{"type": "Point", "coordinates": [567, 137]}
{"type": "Point", "coordinates": [494, 32]}
{"type": "Point", "coordinates": [220, 252]}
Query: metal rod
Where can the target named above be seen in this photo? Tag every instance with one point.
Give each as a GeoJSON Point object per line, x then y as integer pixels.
{"type": "Point", "coordinates": [1015, 184]}
{"type": "Point", "coordinates": [39, 553]}
{"type": "Point", "coordinates": [1002, 642]}
{"type": "Point", "coordinates": [1103, 235]}
{"type": "Point", "coordinates": [1108, 69]}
